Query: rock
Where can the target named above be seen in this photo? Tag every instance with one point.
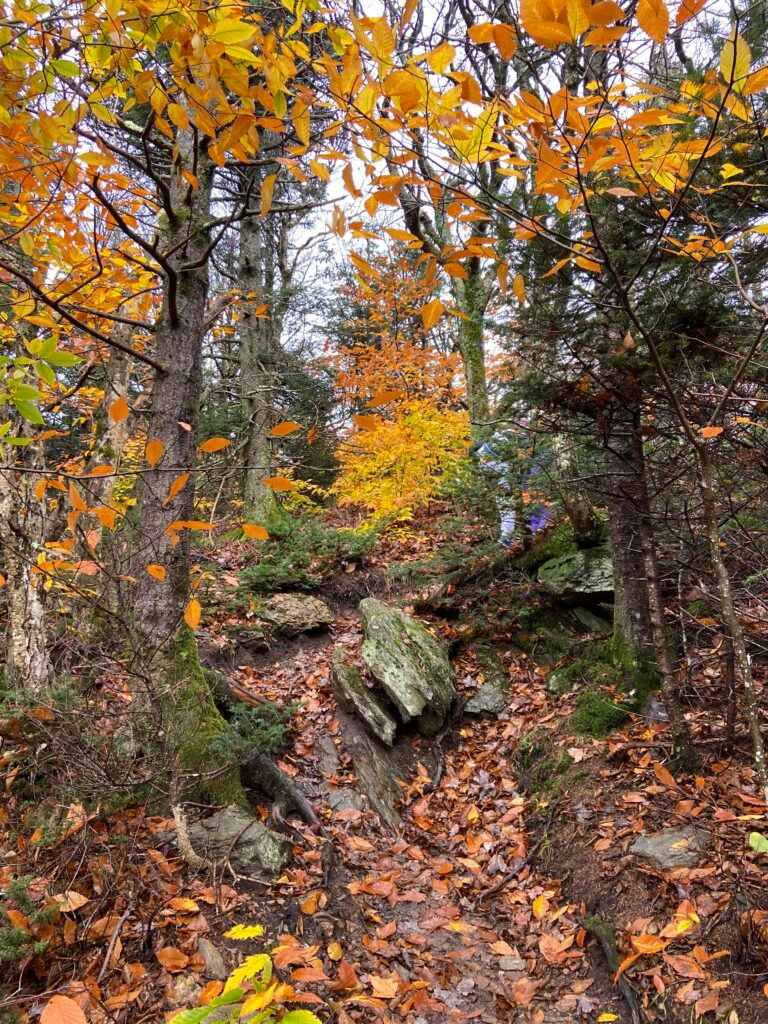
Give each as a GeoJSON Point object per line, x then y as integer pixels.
{"type": "Point", "coordinates": [345, 799]}
{"type": "Point", "coordinates": [379, 774]}
{"type": "Point", "coordinates": [491, 699]}
{"type": "Point", "coordinates": [248, 844]}
{"type": "Point", "coordinates": [410, 663]}
{"type": "Point", "coordinates": [252, 639]}
{"type": "Point", "coordinates": [582, 573]}
{"type": "Point", "coordinates": [215, 968]}
{"type": "Point", "coordinates": [354, 695]}
{"type": "Point", "coordinates": [511, 963]}
{"type": "Point", "coordinates": [672, 848]}
{"type": "Point", "coordinates": [184, 990]}
{"type": "Point", "coordinates": [327, 755]}
{"type": "Point", "coordinates": [291, 614]}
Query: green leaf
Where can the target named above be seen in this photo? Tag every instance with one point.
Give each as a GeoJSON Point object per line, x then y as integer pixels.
{"type": "Point", "coordinates": [244, 931]}
{"type": "Point", "coordinates": [25, 393]}
{"type": "Point", "coordinates": [29, 411]}
{"type": "Point", "coordinates": [227, 998]}
{"type": "Point", "coordinates": [253, 965]}
{"type": "Point", "coordinates": [63, 359]}
{"type": "Point", "coordinates": [67, 68]}
{"type": "Point", "coordinates": [229, 31]}
{"type": "Point", "coordinates": [45, 371]}
{"type": "Point", "coordinates": [194, 1016]}
{"type": "Point", "coordinates": [758, 842]}
{"type": "Point", "coordinates": [300, 1017]}
{"type": "Point", "coordinates": [281, 104]}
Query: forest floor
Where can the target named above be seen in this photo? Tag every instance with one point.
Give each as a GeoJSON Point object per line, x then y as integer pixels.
{"type": "Point", "coordinates": [471, 910]}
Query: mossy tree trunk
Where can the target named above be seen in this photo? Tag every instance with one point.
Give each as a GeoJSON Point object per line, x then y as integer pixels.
{"type": "Point", "coordinates": [175, 689]}
{"type": "Point", "coordinates": [472, 297]}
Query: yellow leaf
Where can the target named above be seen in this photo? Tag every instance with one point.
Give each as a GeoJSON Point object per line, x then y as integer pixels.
{"type": "Point", "coordinates": [440, 58]}
{"type": "Point", "coordinates": [157, 572]}
{"type": "Point", "coordinates": [284, 428]}
{"type": "Point", "coordinates": [335, 952]}
{"type": "Point", "coordinates": [229, 31]}
{"type": "Point", "coordinates": [244, 931]}
{"type": "Point", "coordinates": [279, 483]}
{"type": "Point", "coordinates": [431, 313]}
{"type": "Point", "coordinates": [215, 444]}
{"type": "Point", "coordinates": [653, 19]}
{"type": "Point", "coordinates": [154, 451]}
{"type": "Point", "coordinates": [255, 532]}
{"type": "Point", "coordinates": [735, 60]}
{"type": "Point", "coordinates": [267, 190]}
{"type": "Point", "coordinates": [177, 115]}
{"type": "Point", "coordinates": [192, 613]}
{"type": "Point", "coordinates": [118, 410]}
{"type": "Point", "coordinates": [518, 287]}
{"type": "Point", "coordinates": [384, 988]}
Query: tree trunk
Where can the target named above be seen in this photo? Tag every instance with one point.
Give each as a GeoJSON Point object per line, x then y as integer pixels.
{"type": "Point", "coordinates": [472, 297]}
{"type": "Point", "coordinates": [581, 512]}
{"type": "Point", "coordinates": [166, 650]}
{"type": "Point", "coordinates": [259, 356]}
{"type": "Point", "coordinates": [632, 648]}
{"type": "Point", "coordinates": [28, 667]}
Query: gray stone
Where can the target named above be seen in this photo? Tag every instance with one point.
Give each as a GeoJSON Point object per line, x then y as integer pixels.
{"type": "Point", "coordinates": [581, 573]}
{"type": "Point", "coordinates": [345, 799]}
{"type": "Point", "coordinates": [185, 990]}
{"type": "Point", "coordinates": [215, 968]}
{"type": "Point", "coordinates": [354, 695]}
{"type": "Point", "coordinates": [491, 699]}
{"type": "Point", "coordinates": [672, 848]}
{"type": "Point", "coordinates": [410, 663]}
{"type": "Point", "coordinates": [511, 963]}
{"type": "Point", "coordinates": [292, 614]}
{"type": "Point", "coordinates": [249, 846]}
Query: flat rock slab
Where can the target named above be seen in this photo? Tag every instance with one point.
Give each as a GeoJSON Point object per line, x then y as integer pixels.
{"type": "Point", "coordinates": [292, 614]}
{"type": "Point", "coordinates": [491, 699]}
{"type": "Point", "coordinates": [353, 695]}
{"type": "Point", "coordinates": [410, 663]}
{"type": "Point", "coordinates": [248, 845]}
{"type": "Point", "coordinates": [672, 848]}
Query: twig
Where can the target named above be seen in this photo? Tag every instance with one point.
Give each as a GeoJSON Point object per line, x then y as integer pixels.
{"type": "Point", "coordinates": [521, 863]}
{"type": "Point", "coordinates": [113, 941]}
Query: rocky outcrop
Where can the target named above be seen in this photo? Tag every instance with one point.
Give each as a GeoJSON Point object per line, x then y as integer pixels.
{"type": "Point", "coordinates": [292, 614]}
{"type": "Point", "coordinates": [353, 695]}
{"type": "Point", "coordinates": [491, 699]}
{"type": "Point", "coordinates": [584, 573]}
{"type": "Point", "coordinates": [410, 664]}
{"type": "Point", "coordinates": [672, 848]}
{"type": "Point", "coordinates": [249, 846]}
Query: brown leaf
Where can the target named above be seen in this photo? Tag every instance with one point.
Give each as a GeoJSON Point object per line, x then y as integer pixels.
{"type": "Point", "coordinates": [172, 959]}
{"type": "Point", "coordinates": [62, 1010]}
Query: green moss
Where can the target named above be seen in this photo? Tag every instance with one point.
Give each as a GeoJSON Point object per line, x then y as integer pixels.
{"type": "Point", "coordinates": [554, 544]}
{"type": "Point", "coordinates": [542, 765]}
{"type": "Point", "coordinates": [597, 714]}
{"type": "Point", "coordinates": [197, 728]}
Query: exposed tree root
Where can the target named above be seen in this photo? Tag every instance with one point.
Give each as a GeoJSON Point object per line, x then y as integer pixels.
{"type": "Point", "coordinates": [606, 936]}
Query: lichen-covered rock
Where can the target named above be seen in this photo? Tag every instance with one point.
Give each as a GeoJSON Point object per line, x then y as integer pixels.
{"type": "Point", "coordinates": [354, 695]}
{"type": "Point", "coordinates": [672, 848]}
{"type": "Point", "coordinates": [581, 573]}
{"type": "Point", "coordinates": [292, 614]}
{"type": "Point", "coordinates": [410, 663]}
{"type": "Point", "coordinates": [249, 845]}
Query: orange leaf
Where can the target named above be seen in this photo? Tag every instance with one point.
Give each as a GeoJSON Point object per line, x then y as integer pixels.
{"type": "Point", "coordinates": [211, 990]}
{"type": "Point", "coordinates": [102, 471]}
{"type": "Point", "coordinates": [267, 189]}
{"type": "Point", "coordinates": [665, 777]}
{"type": "Point", "coordinates": [192, 619]}
{"type": "Point", "coordinates": [118, 410]}
{"type": "Point", "coordinates": [62, 1010]}
{"type": "Point", "coordinates": [279, 483]}
{"type": "Point", "coordinates": [176, 486]}
{"type": "Point", "coordinates": [688, 9]}
{"type": "Point", "coordinates": [154, 451]}
{"type": "Point", "coordinates": [312, 435]}
{"type": "Point", "coordinates": [648, 943]}
{"type": "Point", "coordinates": [431, 313]}
{"type": "Point", "coordinates": [711, 431]}
{"type": "Point", "coordinates": [385, 396]}
{"type": "Point", "coordinates": [157, 572]}
{"type": "Point", "coordinates": [172, 959]}
{"type": "Point", "coordinates": [309, 974]}
{"type": "Point", "coordinates": [383, 988]}
{"type": "Point", "coordinates": [215, 444]}
{"type": "Point", "coordinates": [365, 422]}
{"type": "Point", "coordinates": [286, 427]}
{"type": "Point", "coordinates": [255, 532]}
{"type": "Point", "coordinates": [653, 19]}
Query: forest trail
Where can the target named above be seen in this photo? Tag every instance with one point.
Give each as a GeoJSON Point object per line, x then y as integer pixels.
{"type": "Point", "coordinates": [512, 832]}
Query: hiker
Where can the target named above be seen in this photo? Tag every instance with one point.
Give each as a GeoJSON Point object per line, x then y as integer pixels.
{"type": "Point", "coordinates": [505, 488]}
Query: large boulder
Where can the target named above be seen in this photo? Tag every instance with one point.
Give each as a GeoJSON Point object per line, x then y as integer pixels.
{"type": "Point", "coordinates": [410, 663]}
{"type": "Point", "coordinates": [354, 695]}
{"type": "Point", "coordinates": [584, 573]}
{"type": "Point", "coordinates": [491, 699]}
{"type": "Point", "coordinates": [292, 614]}
{"type": "Point", "coordinates": [249, 846]}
